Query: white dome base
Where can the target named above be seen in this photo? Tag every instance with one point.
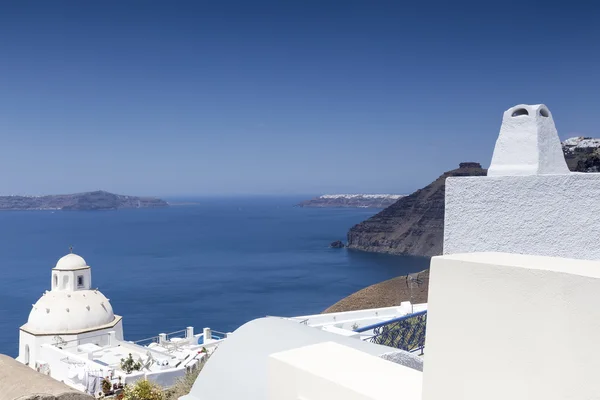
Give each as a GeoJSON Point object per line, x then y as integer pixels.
{"type": "Point", "coordinates": [61, 312]}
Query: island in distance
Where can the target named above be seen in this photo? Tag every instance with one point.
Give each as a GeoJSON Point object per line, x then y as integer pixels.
{"type": "Point", "coordinates": [352, 200]}
{"type": "Point", "coordinates": [98, 200]}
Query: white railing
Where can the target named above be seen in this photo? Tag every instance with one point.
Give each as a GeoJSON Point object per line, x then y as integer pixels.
{"type": "Point", "coordinates": [356, 319]}
{"type": "Point", "coordinates": [163, 337]}
{"type": "Point", "coordinates": [102, 339]}
{"type": "Point", "coordinates": [177, 334]}
{"type": "Point", "coordinates": [146, 341]}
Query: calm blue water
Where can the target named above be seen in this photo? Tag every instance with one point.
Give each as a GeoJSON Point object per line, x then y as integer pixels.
{"type": "Point", "coordinates": [219, 264]}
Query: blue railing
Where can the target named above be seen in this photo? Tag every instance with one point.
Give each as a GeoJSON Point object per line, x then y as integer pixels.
{"type": "Point", "coordinates": [220, 335]}
{"type": "Point", "coordinates": [215, 335]}
{"type": "Point", "coordinates": [405, 333]}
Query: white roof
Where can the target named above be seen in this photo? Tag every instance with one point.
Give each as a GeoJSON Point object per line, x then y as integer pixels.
{"type": "Point", "coordinates": [71, 262]}
{"type": "Point", "coordinates": [69, 311]}
{"type": "Point", "coordinates": [238, 368]}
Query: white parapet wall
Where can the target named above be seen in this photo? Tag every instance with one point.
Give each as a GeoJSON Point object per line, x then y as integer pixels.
{"type": "Point", "coordinates": [519, 327]}
{"type": "Point", "coordinates": [329, 370]}
{"type": "Point", "coordinates": [548, 215]}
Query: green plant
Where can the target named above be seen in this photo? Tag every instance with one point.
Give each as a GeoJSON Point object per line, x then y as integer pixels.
{"type": "Point", "coordinates": [106, 386]}
{"type": "Point", "coordinates": [128, 365]}
{"type": "Point", "coordinates": [143, 390]}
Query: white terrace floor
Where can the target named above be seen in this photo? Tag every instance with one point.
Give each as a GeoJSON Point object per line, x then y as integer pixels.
{"type": "Point", "coordinates": [162, 362]}
{"type": "Point", "coordinates": [351, 320]}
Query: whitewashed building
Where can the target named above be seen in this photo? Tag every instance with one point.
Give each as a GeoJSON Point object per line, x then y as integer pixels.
{"type": "Point", "coordinates": [514, 302]}
{"type": "Point", "coordinates": [73, 335]}
{"type": "Point", "coordinates": [71, 310]}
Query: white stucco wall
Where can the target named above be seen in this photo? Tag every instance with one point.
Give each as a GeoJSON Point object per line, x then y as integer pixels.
{"type": "Point", "coordinates": [330, 370]}
{"type": "Point", "coordinates": [35, 344]}
{"type": "Point", "coordinates": [27, 348]}
{"type": "Point", "coordinates": [528, 330]}
{"type": "Point", "coordinates": [549, 215]}
{"type": "Point", "coordinates": [41, 347]}
{"type": "Point", "coordinates": [59, 369]}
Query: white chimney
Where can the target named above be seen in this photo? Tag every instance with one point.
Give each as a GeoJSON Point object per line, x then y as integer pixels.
{"type": "Point", "coordinates": [528, 144]}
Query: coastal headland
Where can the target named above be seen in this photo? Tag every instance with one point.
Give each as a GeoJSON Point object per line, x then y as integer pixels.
{"type": "Point", "coordinates": [97, 200]}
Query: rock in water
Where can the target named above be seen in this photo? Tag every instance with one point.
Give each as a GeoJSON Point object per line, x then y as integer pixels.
{"type": "Point", "coordinates": [414, 225]}
{"type": "Point", "coordinates": [338, 244]}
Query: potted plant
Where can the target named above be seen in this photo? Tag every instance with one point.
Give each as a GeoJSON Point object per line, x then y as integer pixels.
{"type": "Point", "coordinates": [128, 365]}
{"type": "Point", "coordinates": [106, 386]}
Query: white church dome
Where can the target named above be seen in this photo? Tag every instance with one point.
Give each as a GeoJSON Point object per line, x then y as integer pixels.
{"type": "Point", "coordinates": [67, 311]}
{"type": "Point", "coordinates": [71, 262]}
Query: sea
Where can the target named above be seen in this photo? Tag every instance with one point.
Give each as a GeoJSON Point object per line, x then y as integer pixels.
{"type": "Point", "coordinates": [217, 262]}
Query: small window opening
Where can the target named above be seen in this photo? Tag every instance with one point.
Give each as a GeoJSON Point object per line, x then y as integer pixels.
{"type": "Point", "coordinates": [80, 281]}
{"type": "Point", "coordinates": [520, 111]}
{"type": "Point", "coordinates": [55, 281]}
{"type": "Point", "coordinates": [544, 112]}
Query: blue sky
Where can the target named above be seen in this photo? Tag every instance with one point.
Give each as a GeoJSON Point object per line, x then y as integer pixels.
{"type": "Point", "coordinates": [281, 97]}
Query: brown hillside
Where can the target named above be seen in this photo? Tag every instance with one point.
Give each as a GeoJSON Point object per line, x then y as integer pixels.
{"type": "Point", "coordinates": [387, 294]}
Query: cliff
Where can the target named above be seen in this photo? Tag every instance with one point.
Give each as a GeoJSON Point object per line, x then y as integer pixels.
{"type": "Point", "coordinates": [582, 154]}
{"type": "Point", "coordinates": [352, 201]}
{"type": "Point", "coordinates": [98, 200]}
{"type": "Point", "coordinates": [414, 224]}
